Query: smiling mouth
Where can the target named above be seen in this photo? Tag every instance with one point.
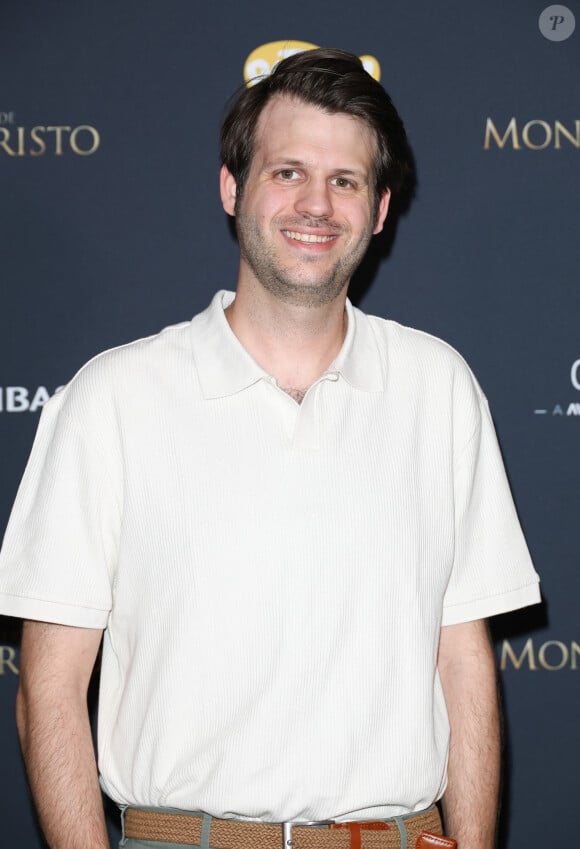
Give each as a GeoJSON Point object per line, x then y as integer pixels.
{"type": "Point", "coordinates": [311, 238]}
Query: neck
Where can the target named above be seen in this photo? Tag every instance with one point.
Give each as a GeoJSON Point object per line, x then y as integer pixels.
{"type": "Point", "coordinates": [295, 344]}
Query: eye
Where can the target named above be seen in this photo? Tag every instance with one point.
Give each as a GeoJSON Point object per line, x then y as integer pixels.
{"type": "Point", "coordinates": [287, 174]}
{"type": "Point", "coordinates": [342, 183]}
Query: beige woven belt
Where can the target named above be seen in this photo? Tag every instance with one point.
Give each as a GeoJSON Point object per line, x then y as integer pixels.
{"type": "Point", "coordinates": [187, 829]}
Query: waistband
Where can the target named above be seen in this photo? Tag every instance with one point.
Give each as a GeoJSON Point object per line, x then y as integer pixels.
{"type": "Point", "coordinates": [206, 832]}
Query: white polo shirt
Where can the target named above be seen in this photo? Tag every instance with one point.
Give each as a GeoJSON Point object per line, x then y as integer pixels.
{"type": "Point", "coordinates": [272, 578]}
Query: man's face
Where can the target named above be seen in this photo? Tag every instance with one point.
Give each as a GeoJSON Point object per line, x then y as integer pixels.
{"type": "Point", "coordinates": [307, 212]}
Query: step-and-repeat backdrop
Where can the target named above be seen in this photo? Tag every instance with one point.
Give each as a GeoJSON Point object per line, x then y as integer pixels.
{"type": "Point", "coordinates": [111, 228]}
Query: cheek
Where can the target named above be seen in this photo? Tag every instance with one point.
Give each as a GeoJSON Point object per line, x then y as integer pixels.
{"type": "Point", "coordinates": [360, 216]}
{"type": "Point", "coordinates": [265, 207]}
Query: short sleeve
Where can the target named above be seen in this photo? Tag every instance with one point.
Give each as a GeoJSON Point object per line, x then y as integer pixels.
{"type": "Point", "coordinates": [58, 557]}
{"type": "Point", "coordinates": [492, 570]}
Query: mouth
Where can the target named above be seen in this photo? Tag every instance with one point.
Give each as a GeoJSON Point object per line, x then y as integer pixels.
{"type": "Point", "coordinates": [308, 238]}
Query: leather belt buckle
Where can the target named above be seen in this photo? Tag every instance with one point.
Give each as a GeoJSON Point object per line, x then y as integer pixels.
{"type": "Point", "coordinates": [287, 842]}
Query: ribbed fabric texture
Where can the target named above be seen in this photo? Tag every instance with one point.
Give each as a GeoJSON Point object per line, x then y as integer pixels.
{"type": "Point", "coordinates": [272, 577]}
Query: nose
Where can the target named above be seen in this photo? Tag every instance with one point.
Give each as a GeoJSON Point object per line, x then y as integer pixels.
{"type": "Point", "coordinates": [314, 198]}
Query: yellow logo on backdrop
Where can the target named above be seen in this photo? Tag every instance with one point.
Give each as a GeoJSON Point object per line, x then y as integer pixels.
{"type": "Point", "coordinates": [263, 60]}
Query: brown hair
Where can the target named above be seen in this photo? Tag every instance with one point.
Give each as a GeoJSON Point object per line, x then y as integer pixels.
{"type": "Point", "coordinates": [336, 81]}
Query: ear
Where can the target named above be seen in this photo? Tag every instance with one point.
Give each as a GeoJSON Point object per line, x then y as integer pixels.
{"type": "Point", "coordinates": [227, 190]}
{"type": "Point", "coordinates": [383, 209]}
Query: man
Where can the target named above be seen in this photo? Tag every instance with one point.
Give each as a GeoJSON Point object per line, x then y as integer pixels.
{"type": "Point", "coordinates": [288, 519]}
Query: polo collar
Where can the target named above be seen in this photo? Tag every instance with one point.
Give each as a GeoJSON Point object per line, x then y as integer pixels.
{"type": "Point", "coordinates": [224, 366]}
{"type": "Point", "coordinates": [359, 360]}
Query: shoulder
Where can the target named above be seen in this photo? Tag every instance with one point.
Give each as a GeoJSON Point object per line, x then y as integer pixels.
{"type": "Point", "coordinates": [422, 366]}
{"type": "Point", "coordinates": [417, 349]}
{"type": "Point", "coordinates": [161, 348]}
{"type": "Point", "coordinates": [114, 377]}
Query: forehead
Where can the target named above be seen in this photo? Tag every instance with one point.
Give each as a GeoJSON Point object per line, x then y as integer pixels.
{"type": "Point", "coordinates": [290, 129]}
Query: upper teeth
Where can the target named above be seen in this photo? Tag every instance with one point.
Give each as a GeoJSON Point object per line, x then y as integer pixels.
{"type": "Point", "coordinates": [307, 237]}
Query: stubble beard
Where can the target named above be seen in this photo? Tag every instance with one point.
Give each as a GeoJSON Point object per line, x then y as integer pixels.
{"type": "Point", "coordinates": [285, 284]}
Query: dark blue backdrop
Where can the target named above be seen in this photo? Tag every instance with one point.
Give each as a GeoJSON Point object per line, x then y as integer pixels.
{"type": "Point", "coordinates": [112, 228]}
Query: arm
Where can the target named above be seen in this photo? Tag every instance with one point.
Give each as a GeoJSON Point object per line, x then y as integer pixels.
{"type": "Point", "coordinates": [53, 725]}
{"type": "Point", "coordinates": [467, 670]}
